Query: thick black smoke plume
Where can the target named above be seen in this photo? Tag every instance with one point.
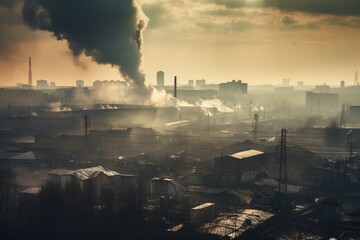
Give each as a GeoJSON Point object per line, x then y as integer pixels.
{"type": "Point", "coordinates": [109, 31]}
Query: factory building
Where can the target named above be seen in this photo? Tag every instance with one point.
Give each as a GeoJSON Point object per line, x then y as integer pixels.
{"type": "Point", "coordinates": [354, 114]}
{"type": "Point", "coordinates": [319, 102]}
{"type": "Point", "coordinates": [322, 89]}
{"type": "Point", "coordinates": [42, 84]}
{"type": "Point", "coordinates": [193, 96]}
{"type": "Point", "coordinates": [200, 83]}
{"type": "Point", "coordinates": [239, 167]}
{"type": "Point", "coordinates": [233, 89]}
{"type": "Point", "coordinates": [21, 97]}
{"type": "Point", "coordinates": [109, 83]}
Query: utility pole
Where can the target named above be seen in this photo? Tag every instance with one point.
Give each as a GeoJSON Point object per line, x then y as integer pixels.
{"type": "Point", "coordinates": [208, 125]}
{"type": "Point", "coordinates": [21, 121]}
{"type": "Point", "coordinates": [338, 177]}
{"type": "Point", "coordinates": [349, 161]}
{"type": "Point", "coordinates": [250, 109]}
{"type": "Point", "coordinates": [283, 173]}
{"type": "Point", "coordinates": [221, 165]}
{"type": "Point", "coordinates": [256, 126]}
{"type": "Point", "coordinates": [214, 109]}
{"type": "Point", "coordinates": [86, 125]}
{"type": "Point", "coordinates": [156, 110]}
{"type": "Point", "coordinates": [201, 119]}
{"type": "Point", "coordinates": [351, 150]}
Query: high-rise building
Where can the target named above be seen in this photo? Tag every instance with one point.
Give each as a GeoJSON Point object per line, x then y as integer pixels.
{"type": "Point", "coordinates": [342, 84]}
{"type": "Point", "coordinates": [199, 84]}
{"type": "Point", "coordinates": [286, 81]}
{"type": "Point", "coordinates": [160, 76]}
{"type": "Point", "coordinates": [191, 83]}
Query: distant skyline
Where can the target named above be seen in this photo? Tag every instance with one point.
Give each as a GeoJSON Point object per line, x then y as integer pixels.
{"type": "Point", "coordinates": [257, 41]}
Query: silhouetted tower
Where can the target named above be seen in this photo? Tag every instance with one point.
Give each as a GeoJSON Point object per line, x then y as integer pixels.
{"type": "Point", "coordinates": [283, 173]}
{"type": "Point", "coordinates": [342, 84]}
{"type": "Point", "coordinates": [356, 79]}
{"type": "Point", "coordinates": [160, 76]}
{"type": "Point", "coordinates": [30, 74]}
{"type": "Point", "coordinates": [175, 87]}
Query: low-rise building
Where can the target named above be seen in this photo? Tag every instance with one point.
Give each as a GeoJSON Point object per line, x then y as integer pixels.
{"type": "Point", "coordinates": [239, 167]}
{"type": "Point", "coordinates": [42, 84]}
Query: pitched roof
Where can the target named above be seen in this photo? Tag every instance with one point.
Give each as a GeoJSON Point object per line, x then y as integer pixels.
{"type": "Point", "coordinates": [270, 182]}
{"type": "Point", "coordinates": [86, 173]}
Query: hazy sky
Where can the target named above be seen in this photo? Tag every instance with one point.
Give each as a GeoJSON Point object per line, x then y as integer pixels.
{"type": "Point", "coordinates": [257, 41]}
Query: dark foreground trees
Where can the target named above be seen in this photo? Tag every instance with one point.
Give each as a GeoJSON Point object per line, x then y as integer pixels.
{"type": "Point", "coordinates": [70, 212]}
{"type": "Point", "coordinates": [7, 197]}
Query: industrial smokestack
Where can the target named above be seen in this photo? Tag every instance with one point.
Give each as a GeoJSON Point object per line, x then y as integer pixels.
{"type": "Point", "coordinates": [30, 74]}
{"type": "Point", "coordinates": [175, 87]}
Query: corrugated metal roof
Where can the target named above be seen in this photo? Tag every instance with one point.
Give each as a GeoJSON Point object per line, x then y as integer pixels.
{"type": "Point", "coordinates": [177, 123]}
{"type": "Point", "coordinates": [246, 154]}
{"type": "Point", "coordinates": [86, 173]}
{"type": "Point", "coordinates": [270, 182]}
{"type": "Point", "coordinates": [245, 196]}
{"type": "Point", "coordinates": [202, 206]}
{"type": "Point", "coordinates": [233, 224]}
{"type": "Point", "coordinates": [175, 228]}
{"type": "Point", "coordinates": [206, 190]}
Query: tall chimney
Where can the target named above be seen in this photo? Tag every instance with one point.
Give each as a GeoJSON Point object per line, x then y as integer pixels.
{"type": "Point", "coordinates": [175, 87]}
{"type": "Point", "coordinates": [30, 74]}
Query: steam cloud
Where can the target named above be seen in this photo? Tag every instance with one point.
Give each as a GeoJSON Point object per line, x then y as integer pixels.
{"type": "Point", "coordinates": [108, 31]}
